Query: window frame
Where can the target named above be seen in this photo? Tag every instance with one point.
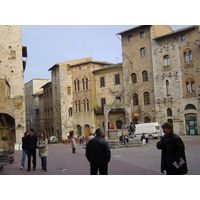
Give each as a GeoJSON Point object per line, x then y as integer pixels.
{"type": "Point", "coordinates": [102, 81]}
{"type": "Point", "coordinates": [117, 79]}
{"type": "Point", "coordinates": [143, 52]}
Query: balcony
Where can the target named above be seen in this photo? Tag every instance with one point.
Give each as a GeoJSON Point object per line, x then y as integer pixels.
{"type": "Point", "coordinates": [101, 111]}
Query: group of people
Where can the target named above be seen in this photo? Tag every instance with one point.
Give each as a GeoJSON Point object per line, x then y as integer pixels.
{"type": "Point", "coordinates": [30, 142]}
{"type": "Point", "coordinates": [173, 159]}
{"type": "Point", "coordinates": [130, 128]}
{"type": "Point", "coordinates": [124, 138]}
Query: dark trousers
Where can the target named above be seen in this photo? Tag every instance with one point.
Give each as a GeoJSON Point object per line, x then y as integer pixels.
{"type": "Point", "coordinates": [33, 154]}
{"type": "Point", "coordinates": [101, 166]}
{"type": "Point", "coordinates": [44, 162]}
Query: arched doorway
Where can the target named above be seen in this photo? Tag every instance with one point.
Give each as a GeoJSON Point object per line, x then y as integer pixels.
{"type": "Point", "coordinates": [78, 127]}
{"type": "Point", "coordinates": [7, 124]}
{"type": "Point", "coordinates": [147, 119]}
{"type": "Point", "coordinates": [119, 124]}
{"type": "Point", "coordinates": [87, 130]}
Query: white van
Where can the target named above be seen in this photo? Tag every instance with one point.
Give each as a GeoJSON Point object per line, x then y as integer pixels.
{"type": "Point", "coordinates": [151, 130]}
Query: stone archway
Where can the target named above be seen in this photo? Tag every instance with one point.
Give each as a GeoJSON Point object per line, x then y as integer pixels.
{"type": "Point", "coordinates": [116, 105]}
{"type": "Point", "coordinates": [87, 130]}
{"type": "Point", "coordinates": [7, 128]}
{"type": "Point", "coordinates": [79, 132]}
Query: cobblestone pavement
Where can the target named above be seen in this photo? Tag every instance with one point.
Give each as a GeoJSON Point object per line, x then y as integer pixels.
{"type": "Point", "coordinates": [149, 157]}
{"type": "Point", "coordinates": [143, 160]}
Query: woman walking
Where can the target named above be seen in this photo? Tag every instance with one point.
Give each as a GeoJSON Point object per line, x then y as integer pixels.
{"type": "Point", "coordinates": [42, 145]}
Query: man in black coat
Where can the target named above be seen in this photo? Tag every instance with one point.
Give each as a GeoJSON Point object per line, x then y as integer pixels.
{"type": "Point", "coordinates": [98, 154]}
{"type": "Point", "coordinates": [31, 148]}
{"type": "Point", "coordinates": [173, 158]}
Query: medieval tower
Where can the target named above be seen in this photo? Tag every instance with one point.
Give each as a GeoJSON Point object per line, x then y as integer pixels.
{"type": "Point", "coordinates": [12, 66]}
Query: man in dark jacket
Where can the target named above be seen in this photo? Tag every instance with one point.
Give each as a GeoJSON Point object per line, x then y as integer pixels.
{"type": "Point", "coordinates": [173, 158]}
{"type": "Point", "coordinates": [31, 148]}
{"type": "Point", "coordinates": [98, 154]}
{"type": "Point", "coordinates": [24, 150]}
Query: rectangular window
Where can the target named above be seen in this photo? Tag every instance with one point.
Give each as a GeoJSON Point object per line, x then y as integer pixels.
{"type": "Point", "coordinates": [130, 38]}
{"type": "Point", "coordinates": [143, 52]}
{"type": "Point", "coordinates": [103, 101]}
{"type": "Point", "coordinates": [68, 90]}
{"type": "Point", "coordinates": [102, 81]}
{"type": "Point", "coordinates": [117, 79]}
{"type": "Point", "coordinates": [142, 34]}
{"type": "Point", "coordinates": [118, 98]}
{"type": "Point", "coordinates": [183, 38]}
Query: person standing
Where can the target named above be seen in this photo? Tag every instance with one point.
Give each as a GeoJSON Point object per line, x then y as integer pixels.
{"type": "Point", "coordinates": [31, 149]}
{"type": "Point", "coordinates": [73, 143]}
{"type": "Point", "coordinates": [98, 154]}
{"type": "Point", "coordinates": [81, 140]}
{"type": "Point", "coordinates": [173, 158]}
{"type": "Point", "coordinates": [42, 144]}
{"type": "Point", "coordinates": [24, 150]}
{"type": "Point", "coordinates": [132, 129]}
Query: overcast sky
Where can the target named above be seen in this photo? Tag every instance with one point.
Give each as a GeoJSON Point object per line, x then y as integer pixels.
{"type": "Point", "coordinates": [51, 44]}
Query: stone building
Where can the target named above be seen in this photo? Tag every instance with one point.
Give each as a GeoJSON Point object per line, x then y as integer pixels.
{"type": "Point", "coordinates": [46, 112]}
{"type": "Point", "coordinates": [110, 107]}
{"type": "Point", "coordinates": [35, 104]}
{"type": "Point", "coordinates": [177, 79]}
{"type": "Point", "coordinates": [161, 75]}
{"type": "Point", "coordinates": [73, 98]}
{"type": "Point", "coordinates": [12, 66]}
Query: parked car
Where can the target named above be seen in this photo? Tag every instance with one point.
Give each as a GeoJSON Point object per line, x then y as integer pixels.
{"type": "Point", "coordinates": [52, 139]}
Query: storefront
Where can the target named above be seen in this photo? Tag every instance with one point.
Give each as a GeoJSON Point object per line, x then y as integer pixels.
{"type": "Point", "coordinates": [191, 124]}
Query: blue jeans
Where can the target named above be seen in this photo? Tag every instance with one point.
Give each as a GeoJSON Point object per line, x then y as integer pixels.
{"type": "Point", "coordinates": [44, 162]}
{"type": "Point", "coordinates": [133, 134]}
{"type": "Point", "coordinates": [123, 140]}
{"type": "Point", "coordinates": [24, 152]}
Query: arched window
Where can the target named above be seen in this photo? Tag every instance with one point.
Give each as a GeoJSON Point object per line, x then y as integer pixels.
{"type": "Point", "coordinates": [166, 60]}
{"type": "Point", "coordinates": [146, 98]}
{"type": "Point", "coordinates": [167, 88]}
{"type": "Point", "coordinates": [74, 85]}
{"type": "Point", "coordinates": [143, 52]}
{"type": "Point", "coordinates": [190, 85]}
{"type": "Point", "coordinates": [77, 105]}
{"type": "Point", "coordinates": [190, 106]}
{"type": "Point", "coordinates": [135, 99]}
{"type": "Point", "coordinates": [145, 76]}
{"type": "Point", "coordinates": [85, 83]}
{"type": "Point", "coordinates": [188, 55]}
{"type": "Point", "coordinates": [133, 78]}
{"type": "Point", "coordinates": [169, 112]}
{"type": "Point", "coordinates": [86, 104]}
{"type": "Point", "coordinates": [70, 112]}
{"type": "Point", "coordinates": [78, 85]}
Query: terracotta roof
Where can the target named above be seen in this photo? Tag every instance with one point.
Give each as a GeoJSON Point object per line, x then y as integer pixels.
{"type": "Point", "coordinates": [118, 65]}
{"type": "Point", "coordinates": [177, 31]}
{"type": "Point", "coordinates": [122, 32]}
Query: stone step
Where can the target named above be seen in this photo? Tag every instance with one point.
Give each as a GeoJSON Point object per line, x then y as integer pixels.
{"type": "Point", "coordinates": [132, 143]}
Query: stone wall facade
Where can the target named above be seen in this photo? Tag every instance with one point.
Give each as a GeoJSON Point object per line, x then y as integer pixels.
{"type": "Point", "coordinates": [171, 59]}
{"type": "Point", "coordinates": [12, 66]}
